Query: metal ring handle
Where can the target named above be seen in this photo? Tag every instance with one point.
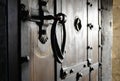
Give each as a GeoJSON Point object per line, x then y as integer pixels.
{"type": "Point", "coordinates": [58, 53]}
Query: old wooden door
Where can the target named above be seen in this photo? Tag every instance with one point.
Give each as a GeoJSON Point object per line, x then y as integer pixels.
{"type": "Point", "coordinates": [74, 66]}
{"type": "Point", "coordinates": [81, 56]}
{"type": "Point", "coordinates": [83, 45]}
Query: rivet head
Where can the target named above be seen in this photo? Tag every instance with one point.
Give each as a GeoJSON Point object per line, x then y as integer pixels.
{"type": "Point", "coordinates": [88, 3]}
{"type": "Point", "coordinates": [100, 64]}
{"type": "Point", "coordinates": [91, 68]}
{"type": "Point", "coordinates": [84, 65]}
{"type": "Point", "coordinates": [78, 75]}
{"type": "Point", "coordinates": [65, 73]}
{"type": "Point", "coordinates": [89, 47]}
{"type": "Point", "coordinates": [90, 25]}
{"type": "Point", "coordinates": [72, 70]}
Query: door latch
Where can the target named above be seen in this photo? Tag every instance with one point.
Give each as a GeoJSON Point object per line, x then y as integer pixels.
{"type": "Point", "coordinates": [58, 18]}
{"type": "Point", "coordinates": [38, 19]}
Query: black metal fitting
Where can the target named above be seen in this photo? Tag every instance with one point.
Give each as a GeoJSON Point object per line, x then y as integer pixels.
{"type": "Point", "coordinates": [24, 59]}
{"type": "Point", "coordinates": [90, 25]}
{"type": "Point", "coordinates": [78, 76]}
{"type": "Point", "coordinates": [90, 4]}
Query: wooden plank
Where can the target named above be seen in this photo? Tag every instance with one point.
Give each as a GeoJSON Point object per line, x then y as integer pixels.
{"type": "Point", "coordinates": [13, 41]}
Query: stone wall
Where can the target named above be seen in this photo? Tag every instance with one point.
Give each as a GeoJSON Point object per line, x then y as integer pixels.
{"type": "Point", "coordinates": [116, 41]}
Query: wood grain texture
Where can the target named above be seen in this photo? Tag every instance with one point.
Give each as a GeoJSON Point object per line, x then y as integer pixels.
{"type": "Point", "coordinates": [107, 34]}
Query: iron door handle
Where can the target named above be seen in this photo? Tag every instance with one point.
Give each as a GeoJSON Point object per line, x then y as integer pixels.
{"type": "Point", "coordinates": [60, 17]}
{"type": "Point", "coordinates": [58, 53]}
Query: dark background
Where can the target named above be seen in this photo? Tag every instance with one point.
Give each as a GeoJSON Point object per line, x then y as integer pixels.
{"type": "Point", "coordinates": [3, 41]}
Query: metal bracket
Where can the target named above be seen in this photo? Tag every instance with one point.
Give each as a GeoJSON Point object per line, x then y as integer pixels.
{"type": "Point", "coordinates": [24, 16]}
{"type": "Point", "coordinates": [39, 20]}
{"type": "Point", "coordinates": [67, 71]}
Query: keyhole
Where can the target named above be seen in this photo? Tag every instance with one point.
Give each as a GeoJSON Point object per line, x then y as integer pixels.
{"type": "Point", "coordinates": [77, 24]}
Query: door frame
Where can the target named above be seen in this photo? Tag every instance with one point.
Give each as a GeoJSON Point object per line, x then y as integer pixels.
{"type": "Point", "coordinates": [107, 33]}
{"type": "Point", "coordinates": [13, 40]}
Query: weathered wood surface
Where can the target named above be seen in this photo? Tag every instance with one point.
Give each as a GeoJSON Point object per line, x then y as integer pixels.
{"type": "Point", "coordinates": [107, 34]}
{"type": "Point", "coordinates": [41, 56]}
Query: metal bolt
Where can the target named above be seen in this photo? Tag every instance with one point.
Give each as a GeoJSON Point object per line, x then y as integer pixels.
{"type": "Point", "coordinates": [72, 70]}
{"type": "Point", "coordinates": [100, 28]}
{"type": "Point", "coordinates": [90, 25]}
{"type": "Point", "coordinates": [89, 62]}
{"type": "Point", "coordinates": [78, 76]}
{"type": "Point", "coordinates": [84, 66]}
{"type": "Point", "coordinates": [91, 68]}
{"type": "Point", "coordinates": [89, 47]}
{"type": "Point", "coordinates": [25, 59]}
{"type": "Point", "coordinates": [100, 46]}
{"type": "Point", "coordinates": [100, 64]}
{"type": "Point", "coordinates": [88, 3]}
{"type": "Point", "coordinates": [44, 3]}
{"type": "Point", "coordinates": [65, 73]}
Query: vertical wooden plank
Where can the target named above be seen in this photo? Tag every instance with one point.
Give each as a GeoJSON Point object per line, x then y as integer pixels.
{"type": "Point", "coordinates": [41, 63]}
{"type": "Point", "coordinates": [93, 38]}
{"type": "Point", "coordinates": [99, 42]}
{"type": "Point", "coordinates": [13, 45]}
{"type": "Point", "coordinates": [107, 40]}
{"type": "Point", "coordinates": [76, 41]}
